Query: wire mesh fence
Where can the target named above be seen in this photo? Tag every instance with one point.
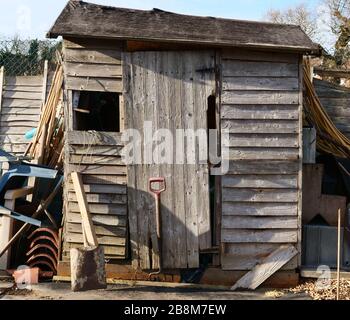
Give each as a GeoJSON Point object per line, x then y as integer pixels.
{"type": "Point", "coordinates": [27, 57]}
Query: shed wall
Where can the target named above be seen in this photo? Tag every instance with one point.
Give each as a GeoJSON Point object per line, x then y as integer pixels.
{"type": "Point", "coordinates": [261, 108]}
{"type": "Point", "coordinates": [92, 65]}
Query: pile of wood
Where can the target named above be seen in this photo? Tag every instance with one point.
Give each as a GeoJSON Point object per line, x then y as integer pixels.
{"type": "Point", "coordinates": [328, 293]}
{"type": "Point", "coordinates": [329, 139]}
{"type": "Point", "coordinates": [47, 145]}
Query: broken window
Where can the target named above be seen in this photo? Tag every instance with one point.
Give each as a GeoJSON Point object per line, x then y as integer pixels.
{"type": "Point", "coordinates": [99, 111]}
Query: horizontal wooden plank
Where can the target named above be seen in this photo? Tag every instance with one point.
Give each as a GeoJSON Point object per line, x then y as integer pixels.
{"type": "Point", "coordinates": [232, 68]}
{"type": "Point", "coordinates": [94, 138]}
{"type": "Point", "coordinates": [249, 55]}
{"type": "Point", "coordinates": [263, 154]}
{"type": "Point", "coordinates": [264, 140]}
{"type": "Point", "coordinates": [343, 128]}
{"type": "Point", "coordinates": [259, 195]}
{"type": "Point", "coordinates": [104, 179]}
{"type": "Point", "coordinates": [105, 56]}
{"type": "Point", "coordinates": [258, 236]}
{"type": "Point", "coordinates": [259, 209]}
{"type": "Point", "coordinates": [106, 220]}
{"type": "Point", "coordinates": [98, 160]}
{"type": "Point", "coordinates": [22, 129]}
{"type": "Point", "coordinates": [102, 240]}
{"type": "Point", "coordinates": [338, 112]}
{"type": "Point", "coordinates": [23, 124]}
{"type": "Point", "coordinates": [260, 97]}
{"type": "Point", "coordinates": [334, 102]}
{"type": "Point", "coordinates": [101, 208]}
{"type": "Point", "coordinates": [93, 70]}
{"type": "Point", "coordinates": [22, 95]}
{"type": "Point", "coordinates": [260, 181]}
{"type": "Point", "coordinates": [344, 121]}
{"type": "Point", "coordinates": [21, 103]}
{"type": "Point", "coordinates": [263, 167]}
{"type": "Point", "coordinates": [246, 112]}
{"type": "Point", "coordinates": [96, 150]}
{"type": "Point", "coordinates": [103, 230]}
{"type": "Point", "coordinates": [249, 222]}
{"type": "Point", "coordinates": [100, 198]}
{"type": "Point", "coordinates": [96, 169]}
{"type": "Point", "coordinates": [18, 111]}
{"type": "Point", "coordinates": [260, 126]}
{"type": "Point", "coordinates": [18, 149]}
{"type": "Point", "coordinates": [92, 44]}
{"type": "Point", "coordinates": [326, 89]}
{"type": "Point", "coordinates": [37, 89]}
{"type": "Point", "coordinates": [13, 139]}
{"type": "Point", "coordinates": [19, 117]}
{"type": "Point", "coordinates": [94, 84]}
{"type": "Point", "coordinates": [109, 251]}
{"type": "Point", "coordinates": [100, 188]}
{"type": "Point", "coordinates": [24, 81]}
{"type": "Point", "coordinates": [260, 83]}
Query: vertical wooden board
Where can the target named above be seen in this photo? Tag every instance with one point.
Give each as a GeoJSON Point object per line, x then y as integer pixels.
{"type": "Point", "coordinates": [131, 177]}
{"type": "Point", "coordinates": [141, 186]}
{"type": "Point", "coordinates": [203, 83]}
{"type": "Point", "coordinates": [179, 170]}
{"type": "Point", "coordinates": [171, 104]}
{"type": "Point", "coordinates": [154, 170]}
{"type": "Point", "coordinates": [165, 113]}
{"type": "Point", "coordinates": [150, 109]}
{"type": "Point", "coordinates": [191, 185]}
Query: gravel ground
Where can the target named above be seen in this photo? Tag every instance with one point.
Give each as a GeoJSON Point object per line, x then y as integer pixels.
{"type": "Point", "coordinates": [324, 290]}
{"type": "Point", "coordinates": [61, 291]}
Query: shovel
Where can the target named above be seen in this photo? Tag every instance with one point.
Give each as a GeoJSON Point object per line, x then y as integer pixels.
{"type": "Point", "coordinates": [157, 193]}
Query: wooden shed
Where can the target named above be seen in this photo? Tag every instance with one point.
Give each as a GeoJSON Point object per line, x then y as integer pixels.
{"type": "Point", "coordinates": [124, 67]}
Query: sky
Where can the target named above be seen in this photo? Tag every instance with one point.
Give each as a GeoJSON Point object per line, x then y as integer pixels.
{"type": "Point", "coordinates": [33, 18]}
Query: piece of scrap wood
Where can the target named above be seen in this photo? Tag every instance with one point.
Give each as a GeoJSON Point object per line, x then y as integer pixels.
{"type": "Point", "coordinates": [90, 238]}
{"type": "Point", "coordinates": [271, 264]}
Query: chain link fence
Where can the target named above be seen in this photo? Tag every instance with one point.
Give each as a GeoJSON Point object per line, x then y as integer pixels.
{"type": "Point", "coordinates": [27, 57]}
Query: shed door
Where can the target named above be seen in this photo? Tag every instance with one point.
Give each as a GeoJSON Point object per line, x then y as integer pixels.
{"type": "Point", "coordinates": [171, 90]}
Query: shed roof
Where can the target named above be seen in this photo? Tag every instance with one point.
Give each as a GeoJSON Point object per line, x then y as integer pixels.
{"type": "Point", "coordinates": [82, 19]}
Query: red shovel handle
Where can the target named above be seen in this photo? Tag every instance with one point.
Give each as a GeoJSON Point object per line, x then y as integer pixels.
{"type": "Point", "coordinates": [160, 180]}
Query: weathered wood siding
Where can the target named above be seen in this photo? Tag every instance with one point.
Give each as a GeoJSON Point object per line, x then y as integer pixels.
{"type": "Point", "coordinates": [97, 156]}
{"type": "Point", "coordinates": [93, 65]}
{"type": "Point", "coordinates": [261, 99]}
{"type": "Point", "coordinates": [169, 89]}
{"type": "Point", "coordinates": [336, 100]}
{"type": "Point", "coordinates": [22, 98]}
